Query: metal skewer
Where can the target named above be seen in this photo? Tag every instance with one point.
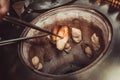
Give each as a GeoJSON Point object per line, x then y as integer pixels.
{"type": "Point", "coordinates": [26, 24]}
{"type": "Point", "coordinates": [11, 41]}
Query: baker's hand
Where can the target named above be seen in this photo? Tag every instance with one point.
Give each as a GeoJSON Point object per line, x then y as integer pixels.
{"type": "Point", "coordinates": [4, 7]}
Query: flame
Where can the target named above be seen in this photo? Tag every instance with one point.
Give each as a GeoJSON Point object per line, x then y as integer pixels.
{"type": "Point", "coordinates": [63, 31]}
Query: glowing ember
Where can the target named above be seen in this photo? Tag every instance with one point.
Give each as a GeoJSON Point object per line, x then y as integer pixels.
{"type": "Point", "coordinates": [76, 35]}
{"type": "Point", "coordinates": [95, 42]}
{"type": "Point", "coordinates": [62, 44]}
{"type": "Point", "coordinates": [64, 33]}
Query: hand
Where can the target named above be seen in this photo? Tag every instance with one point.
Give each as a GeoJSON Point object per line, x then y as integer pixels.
{"type": "Point", "coordinates": [4, 7]}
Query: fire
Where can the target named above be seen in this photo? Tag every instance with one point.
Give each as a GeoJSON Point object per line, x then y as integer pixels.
{"type": "Point", "coordinates": [64, 33]}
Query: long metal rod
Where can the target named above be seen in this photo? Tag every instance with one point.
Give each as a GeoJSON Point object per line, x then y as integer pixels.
{"type": "Point", "coordinates": [11, 41]}
{"type": "Point", "coordinates": [26, 24]}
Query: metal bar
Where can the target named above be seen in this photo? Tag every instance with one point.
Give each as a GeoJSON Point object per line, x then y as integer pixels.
{"type": "Point", "coordinates": [11, 41]}
{"type": "Point", "coordinates": [26, 24]}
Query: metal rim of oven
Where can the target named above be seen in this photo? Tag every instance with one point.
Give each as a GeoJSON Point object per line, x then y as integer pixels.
{"type": "Point", "coordinates": [99, 11]}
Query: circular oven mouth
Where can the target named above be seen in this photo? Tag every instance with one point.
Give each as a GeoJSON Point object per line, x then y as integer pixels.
{"type": "Point", "coordinates": [96, 34]}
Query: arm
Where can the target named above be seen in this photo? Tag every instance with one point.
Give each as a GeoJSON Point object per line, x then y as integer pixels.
{"type": "Point", "coordinates": [4, 7]}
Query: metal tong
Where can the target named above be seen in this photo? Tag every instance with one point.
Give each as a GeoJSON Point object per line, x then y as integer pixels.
{"type": "Point", "coordinates": [26, 24]}
{"type": "Point", "coordinates": [12, 41]}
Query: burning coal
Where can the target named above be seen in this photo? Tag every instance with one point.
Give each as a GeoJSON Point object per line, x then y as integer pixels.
{"type": "Point", "coordinates": [81, 40]}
